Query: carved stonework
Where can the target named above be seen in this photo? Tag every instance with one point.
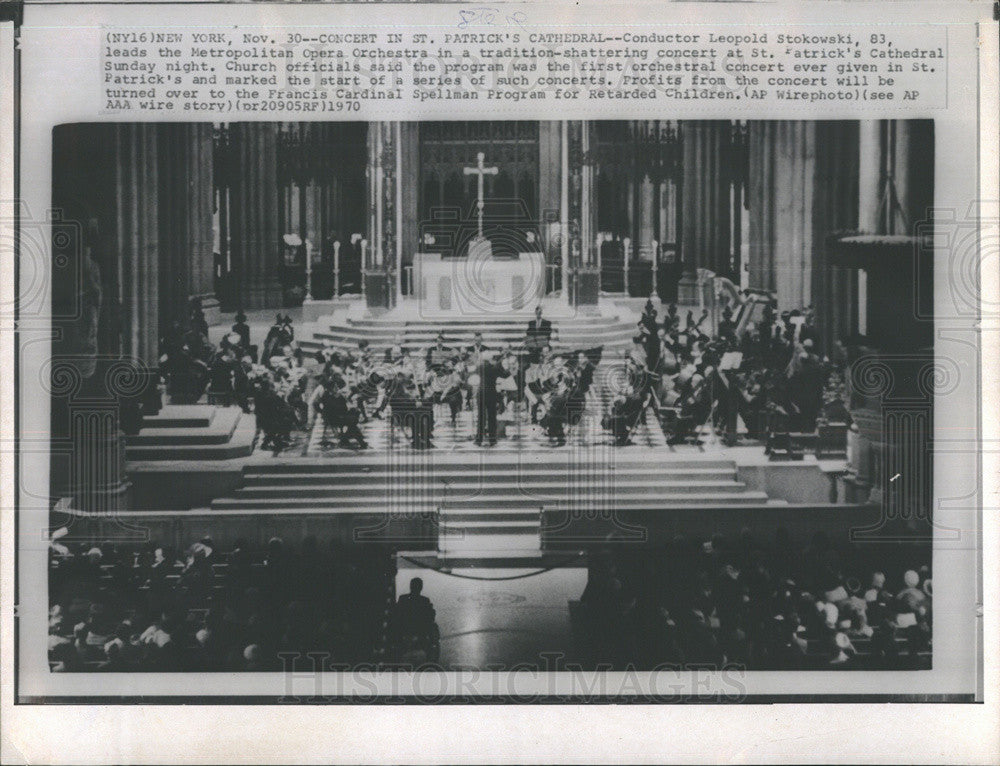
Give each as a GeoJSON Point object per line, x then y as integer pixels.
{"type": "Point", "coordinates": [891, 403]}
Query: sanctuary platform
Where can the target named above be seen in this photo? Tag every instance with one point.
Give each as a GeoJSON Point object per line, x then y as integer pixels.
{"type": "Point", "coordinates": [413, 325]}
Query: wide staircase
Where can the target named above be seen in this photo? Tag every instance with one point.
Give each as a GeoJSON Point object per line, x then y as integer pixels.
{"type": "Point", "coordinates": [343, 331]}
{"type": "Point", "coordinates": [498, 482]}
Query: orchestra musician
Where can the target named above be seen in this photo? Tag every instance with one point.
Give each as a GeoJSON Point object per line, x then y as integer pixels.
{"type": "Point", "coordinates": [411, 411]}
{"type": "Point", "coordinates": [538, 335]}
{"type": "Point", "coordinates": [554, 420]}
{"type": "Point", "coordinates": [340, 412]}
{"type": "Point", "coordinates": [445, 387]}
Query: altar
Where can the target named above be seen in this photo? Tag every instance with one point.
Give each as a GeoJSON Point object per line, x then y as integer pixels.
{"type": "Point", "coordinates": [478, 285]}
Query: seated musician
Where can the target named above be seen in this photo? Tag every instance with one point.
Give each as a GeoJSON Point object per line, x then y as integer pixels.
{"type": "Point", "coordinates": [477, 349]}
{"type": "Point", "coordinates": [338, 412]}
{"type": "Point", "coordinates": [446, 388]}
{"type": "Point", "coordinates": [242, 388]}
{"type": "Point", "coordinates": [671, 319]}
{"type": "Point", "coordinates": [585, 371]}
{"type": "Point", "coordinates": [199, 345]}
{"type": "Point", "coordinates": [293, 392]}
{"type": "Point", "coordinates": [242, 329]}
{"type": "Point", "coordinates": [539, 381]}
{"type": "Point", "coordinates": [533, 389]}
{"type": "Point", "coordinates": [582, 378]}
{"type": "Point", "coordinates": [694, 405]}
{"type": "Point", "coordinates": [274, 417]}
{"type": "Point", "coordinates": [367, 389]}
{"type": "Point", "coordinates": [409, 410]}
{"type": "Point", "coordinates": [277, 337]}
{"type": "Point", "coordinates": [668, 362]}
{"type": "Point", "coordinates": [727, 326]}
{"type": "Point", "coordinates": [625, 410]}
{"type": "Point", "coordinates": [554, 420]}
{"type": "Point", "coordinates": [324, 357]}
{"type": "Point", "coordinates": [186, 375]}
{"type": "Point", "coordinates": [438, 354]}
{"type": "Point", "coordinates": [407, 365]}
{"type": "Point", "coordinates": [753, 405]}
{"type": "Point", "coordinates": [507, 389]}
{"type": "Point", "coordinates": [395, 352]}
{"type": "Point", "coordinates": [221, 373]}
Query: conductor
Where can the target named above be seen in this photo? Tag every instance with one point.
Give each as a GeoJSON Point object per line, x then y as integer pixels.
{"type": "Point", "coordinates": [490, 370]}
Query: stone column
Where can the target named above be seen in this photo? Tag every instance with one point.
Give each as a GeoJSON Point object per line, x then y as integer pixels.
{"type": "Point", "coordinates": [85, 384]}
{"type": "Point", "coordinates": [565, 216]}
{"type": "Point", "coordinates": [186, 189]}
{"type": "Point", "coordinates": [408, 186]}
{"type": "Point", "coordinates": [583, 273]}
{"type": "Point", "coordinates": [256, 239]}
{"type": "Point", "coordinates": [380, 269]}
{"type": "Point", "coordinates": [550, 195]}
{"type": "Point", "coordinates": [782, 184]}
{"type": "Point", "coordinates": [891, 466]}
{"type": "Point", "coordinates": [896, 182]}
{"type": "Point", "coordinates": [802, 189]}
{"type": "Point", "coordinates": [105, 306]}
{"type": "Point", "coordinates": [893, 380]}
{"type": "Point", "coordinates": [136, 241]}
{"type": "Point", "coordinates": [834, 288]}
{"type": "Point", "coordinates": [706, 206]}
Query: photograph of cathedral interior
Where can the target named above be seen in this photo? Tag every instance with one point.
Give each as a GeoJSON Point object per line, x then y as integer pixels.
{"type": "Point", "coordinates": [565, 394]}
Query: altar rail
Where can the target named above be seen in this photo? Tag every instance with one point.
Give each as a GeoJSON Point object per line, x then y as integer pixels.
{"type": "Point", "coordinates": [420, 531]}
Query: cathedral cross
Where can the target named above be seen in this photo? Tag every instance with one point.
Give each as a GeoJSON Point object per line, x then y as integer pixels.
{"type": "Point", "coordinates": [482, 172]}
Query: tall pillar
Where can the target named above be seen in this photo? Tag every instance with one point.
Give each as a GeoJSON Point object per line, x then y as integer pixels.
{"type": "Point", "coordinates": [896, 180]}
{"type": "Point", "coordinates": [706, 204]}
{"type": "Point", "coordinates": [186, 184]}
{"type": "Point", "coordinates": [893, 374]}
{"type": "Point", "coordinates": [255, 235]}
{"type": "Point", "coordinates": [550, 196]}
{"type": "Point", "coordinates": [834, 288]}
{"type": "Point", "coordinates": [407, 193]}
{"type": "Point", "coordinates": [106, 307]}
{"type": "Point", "coordinates": [782, 184]}
{"type": "Point", "coordinates": [565, 218]}
{"type": "Point", "coordinates": [583, 273]}
{"type": "Point", "coordinates": [802, 189]}
{"type": "Point", "coordinates": [381, 253]}
{"type": "Point", "coordinates": [137, 198]}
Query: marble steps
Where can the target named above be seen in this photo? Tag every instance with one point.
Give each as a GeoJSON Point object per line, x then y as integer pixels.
{"type": "Point", "coordinates": [584, 339]}
{"type": "Point", "coordinates": [492, 465]}
{"type": "Point", "coordinates": [181, 416]}
{"type": "Point", "coordinates": [422, 499]}
{"type": "Point", "coordinates": [483, 527]}
{"type": "Point", "coordinates": [583, 331]}
{"type": "Point", "coordinates": [193, 432]}
{"type": "Point", "coordinates": [553, 488]}
{"type": "Point", "coordinates": [493, 544]}
{"type": "Point", "coordinates": [489, 476]}
{"type": "Point", "coordinates": [511, 558]}
{"type": "Point", "coordinates": [470, 322]}
{"type": "Point", "coordinates": [219, 430]}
